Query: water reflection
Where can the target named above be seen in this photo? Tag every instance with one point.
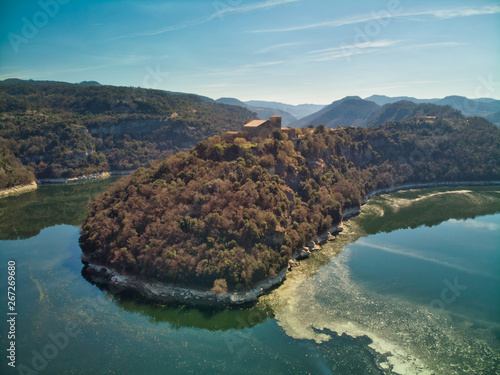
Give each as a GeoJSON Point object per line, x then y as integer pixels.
{"type": "Point", "coordinates": [201, 318]}
{"type": "Point", "coordinates": [413, 209]}
{"type": "Point", "coordinates": [25, 215]}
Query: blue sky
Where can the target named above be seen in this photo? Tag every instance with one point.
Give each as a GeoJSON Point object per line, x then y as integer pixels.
{"type": "Point", "coordinates": [293, 51]}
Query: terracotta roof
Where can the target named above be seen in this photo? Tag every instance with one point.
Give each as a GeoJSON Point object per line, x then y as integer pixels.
{"type": "Point", "coordinates": [254, 123]}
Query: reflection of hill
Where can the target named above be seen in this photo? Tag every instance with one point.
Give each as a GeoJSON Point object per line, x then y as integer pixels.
{"type": "Point", "coordinates": [209, 319]}
{"type": "Point", "coordinates": [427, 208]}
{"type": "Point", "coordinates": [26, 215]}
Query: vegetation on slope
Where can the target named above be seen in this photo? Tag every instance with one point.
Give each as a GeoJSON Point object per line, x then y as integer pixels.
{"type": "Point", "coordinates": [66, 130]}
{"type": "Point", "coordinates": [12, 172]}
{"type": "Point", "coordinates": [232, 214]}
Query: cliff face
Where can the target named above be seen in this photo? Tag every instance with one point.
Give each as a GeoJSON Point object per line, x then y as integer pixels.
{"type": "Point", "coordinates": [131, 127]}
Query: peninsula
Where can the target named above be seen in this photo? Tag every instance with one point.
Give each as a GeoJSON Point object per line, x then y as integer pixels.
{"type": "Point", "coordinates": [220, 224]}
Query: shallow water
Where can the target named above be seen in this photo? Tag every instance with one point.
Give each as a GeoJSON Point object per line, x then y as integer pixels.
{"type": "Point", "coordinates": [372, 302]}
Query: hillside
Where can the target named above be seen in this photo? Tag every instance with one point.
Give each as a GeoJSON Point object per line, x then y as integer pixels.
{"type": "Point", "coordinates": [483, 107]}
{"type": "Point", "coordinates": [12, 172]}
{"type": "Point", "coordinates": [261, 112]}
{"type": "Point", "coordinates": [354, 111]}
{"type": "Point", "coordinates": [350, 111]}
{"type": "Point", "coordinates": [404, 110]}
{"type": "Point", "coordinates": [229, 215]}
{"type": "Point", "coordinates": [298, 111]}
{"type": "Point", "coordinates": [57, 129]}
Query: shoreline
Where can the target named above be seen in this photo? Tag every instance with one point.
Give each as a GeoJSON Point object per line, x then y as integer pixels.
{"type": "Point", "coordinates": [84, 178]}
{"type": "Point", "coordinates": [21, 189]}
{"type": "Point", "coordinates": [163, 292]}
{"type": "Point", "coordinates": [18, 189]}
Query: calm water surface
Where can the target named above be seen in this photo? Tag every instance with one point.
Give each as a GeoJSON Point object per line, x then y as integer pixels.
{"type": "Point", "coordinates": [412, 286]}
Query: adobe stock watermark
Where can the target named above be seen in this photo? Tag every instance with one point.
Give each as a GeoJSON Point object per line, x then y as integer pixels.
{"type": "Point", "coordinates": [153, 78]}
{"type": "Point", "coordinates": [156, 76]}
{"type": "Point", "coordinates": [223, 7]}
{"type": "Point", "coordinates": [365, 35]}
{"type": "Point", "coordinates": [31, 26]}
{"type": "Point", "coordinates": [448, 295]}
{"type": "Point", "coordinates": [56, 343]}
{"type": "Point", "coordinates": [485, 87]}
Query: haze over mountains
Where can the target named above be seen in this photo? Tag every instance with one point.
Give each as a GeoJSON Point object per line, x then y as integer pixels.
{"type": "Point", "coordinates": [298, 111]}
{"type": "Point", "coordinates": [263, 113]}
{"type": "Point", "coordinates": [372, 111]}
{"type": "Point", "coordinates": [354, 111]}
{"type": "Point", "coordinates": [484, 107]}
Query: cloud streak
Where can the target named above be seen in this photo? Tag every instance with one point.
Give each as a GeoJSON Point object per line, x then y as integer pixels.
{"type": "Point", "coordinates": [346, 51]}
{"type": "Point", "coordinates": [220, 13]}
{"type": "Point", "coordinates": [277, 46]}
{"type": "Point", "coordinates": [424, 15]}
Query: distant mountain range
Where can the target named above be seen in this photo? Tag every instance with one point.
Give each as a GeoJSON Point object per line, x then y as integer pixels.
{"type": "Point", "coordinates": [298, 111]}
{"type": "Point", "coordinates": [262, 113]}
{"type": "Point", "coordinates": [377, 110]}
{"type": "Point", "coordinates": [349, 111]}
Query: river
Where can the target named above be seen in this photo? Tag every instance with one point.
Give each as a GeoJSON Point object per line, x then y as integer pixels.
{"type": "Point", "coordinates": [412, 286]}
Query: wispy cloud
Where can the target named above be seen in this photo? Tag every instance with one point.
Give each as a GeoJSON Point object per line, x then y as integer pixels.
{"type": "Point", "coordinates": [349, 50]}
{"type": "Point", "coordinates": [261, 64]}
{"type": "Point", "coordinates": [277, 46]}
{"type": "Point", "coordinates": [464, 12]}
{"type": "Point", "coordinates": [441, 44]}
{"type": "Point", "coordinates": [220, 13]}
{"type": "Point", "coordinates": [424, 15]}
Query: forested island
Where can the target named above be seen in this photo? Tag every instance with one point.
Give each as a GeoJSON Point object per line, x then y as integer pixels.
{"type": "Point", "coordinates": [57, 130]}
{"type": "Point", "coordinates": [213, 224]}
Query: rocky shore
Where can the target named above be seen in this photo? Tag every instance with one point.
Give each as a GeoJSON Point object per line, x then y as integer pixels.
{"type": "Point", "coordinates": [15, 190]}
{"type": "Point", "coordinates": [164, 293]}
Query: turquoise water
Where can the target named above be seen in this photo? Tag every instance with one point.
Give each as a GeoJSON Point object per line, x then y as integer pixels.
{"type": "Point", "coordinates": [370, 303]}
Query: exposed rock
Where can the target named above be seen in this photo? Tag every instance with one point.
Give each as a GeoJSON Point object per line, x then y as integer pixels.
{"type": "Point", "coordinates": [351, 212]}
{"type": "Point", "coordinates": [322, 239]}
{"type": "Point", "coordinates": [165, 293]}
{"type": "Point", "coordinates": [303, 253]}
{"type": "Point", "coordinates": [292, 263]}
{"type": "Point", "coordinates": [129, 126]}
{"type": "Point", "coordinates": [311, 244]}
{"type": "Point", "coordinates": [337, 229]}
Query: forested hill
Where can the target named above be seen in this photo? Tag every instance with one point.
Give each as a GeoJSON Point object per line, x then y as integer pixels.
{"type": "Point", "coordinates": [64, 130]}
{"type": "Point", "coordinates": [232, 214]}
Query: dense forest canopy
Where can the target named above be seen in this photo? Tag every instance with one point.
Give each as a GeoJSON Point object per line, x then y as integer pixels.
{"type": "Point", "coordinates": [230, 214]}
{"type": "Point", "coordinates": [57, 129]}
